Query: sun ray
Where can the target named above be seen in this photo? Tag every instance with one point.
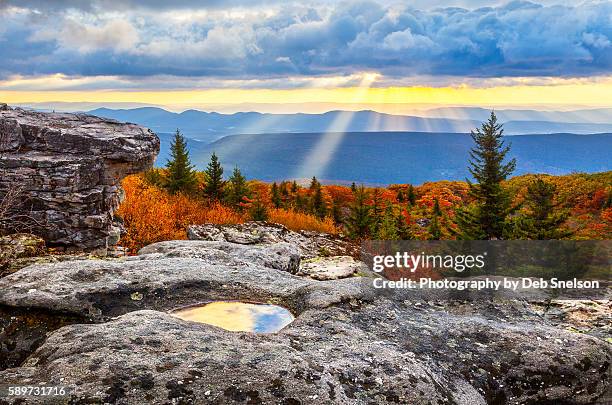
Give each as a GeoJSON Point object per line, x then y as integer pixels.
{"type": "Point", "coordinates": [318, 160]}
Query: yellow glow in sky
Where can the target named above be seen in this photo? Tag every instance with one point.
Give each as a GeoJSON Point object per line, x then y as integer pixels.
{"type": "Point", "coordinates": [587, 94]}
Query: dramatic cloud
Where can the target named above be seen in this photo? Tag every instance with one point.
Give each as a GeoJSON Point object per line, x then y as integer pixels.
{"type": "Point", "coordinates": [243, 39]}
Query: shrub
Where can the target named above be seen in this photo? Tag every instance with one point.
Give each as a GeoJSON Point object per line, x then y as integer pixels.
{"type": "Point", "coordinates": [151, 214]}
{"type": "Point", "coordinates": [297, 221]}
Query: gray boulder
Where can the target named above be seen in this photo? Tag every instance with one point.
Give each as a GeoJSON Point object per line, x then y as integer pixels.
{"type": "Point", "coordinates": [311, 244]}
{"type": "Point", "coordinates": [349, 343]}
{"type": "Point", "coordinates": [68, 168]}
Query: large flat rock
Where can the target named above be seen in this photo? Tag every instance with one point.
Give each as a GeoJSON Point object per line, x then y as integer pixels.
{"type": "Point", "coordinates": [349, 343]}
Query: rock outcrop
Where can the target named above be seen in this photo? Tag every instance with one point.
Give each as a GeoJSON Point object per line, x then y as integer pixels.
{"type": "Point", "coordinates": [349, 344]}
{"type": "Point", "coordinates": [68, 168]}
{"type": "Point", "coordinates": [310, 244]}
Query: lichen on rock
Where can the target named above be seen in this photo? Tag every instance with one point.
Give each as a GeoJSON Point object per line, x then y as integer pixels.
{"type": "Point", "coordinates": [68, 167]}
{"type": "Point", "coordinates": [349, 343]}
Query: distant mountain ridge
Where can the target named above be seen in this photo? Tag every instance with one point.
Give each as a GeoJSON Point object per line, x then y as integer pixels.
{"type": "Point", "coordinates": [211, 126]}
{"type": "Point", "coordinates": [393, 157]}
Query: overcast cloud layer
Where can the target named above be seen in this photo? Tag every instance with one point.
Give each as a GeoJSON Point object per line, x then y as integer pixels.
{"type": "Point", "coordinates": [241, 39]}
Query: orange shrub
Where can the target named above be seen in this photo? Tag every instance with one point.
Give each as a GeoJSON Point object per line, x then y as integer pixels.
{"type": "Point", "coordinates": [152, 215]}
{"type": "Point", "coordinates": [299, 221]}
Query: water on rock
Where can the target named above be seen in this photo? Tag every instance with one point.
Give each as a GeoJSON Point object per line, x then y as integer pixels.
{"type": "Point", "coordinates": [239, 316]}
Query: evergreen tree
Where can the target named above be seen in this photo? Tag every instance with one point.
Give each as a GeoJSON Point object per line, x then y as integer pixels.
{"type": "Point", "coordinates": [353, 187]}
{"type": "Point", "coordinates": [403, 228]}
{"type": "Point", "coordinates": [377, 211]}
{"type": "Point", "coordinates": [154, 177]}
{"type": "Point", "coordinates": [401, 196]}
{"type": "Point", "coordinates": [336, 211]}
{"type": "Point", "coordinates": [435, 231]}
{"type": "Point", "coordinates": [436, 208]}
{"type": "Point", "coordinates": [541, 222]}
{"type": "Point", "coordinates": [258, 210]}
{"type": "Point", "coordinates": [284, 192]}
{"type": "Point", "coordinates": [214, 179]}
{"type": "Point", "coordinates": [238, 189]}
{"type": "Point", "coordinates": [319, 208]}
{"type": "Point", "coordinates": [317, 203]}
{"type": "Point", "coordinates": [180, 174]}
{"type": "Point", "coordinates": [608, 203]}
{"type": "Point", "coordinates": [294, 187]}
{"type": "Point", "coordinates": [388, 225]}
{"type": "Point", "coordinates": [411, 197]}
{"type": "Point", "coordinates": [314, 184]}
{"type": "Point", "coordinates": [359, 220]}
{"type": "Point", "coordinates": [487, 219]}
{"type": "Point", "coordinates": [276, 197]}
{"type": "Point", "coordinates": [301, 203]}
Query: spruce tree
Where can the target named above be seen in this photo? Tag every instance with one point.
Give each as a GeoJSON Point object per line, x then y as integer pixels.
{"type": "Point", "coordinates": [275, 196]}
{"type": "Point", "coordinates": [336, 211]}
{"type": "Point", "coordinates": [540, 222]}
{"type": "Point", "coordinates": [411, 197]}
{"type": "Point", "coordinates": [238, 189]}
{"type": "Point", "coordinates": [214, 179]}
{"type": "Point", "coordinates": [180, 175]}
{"type": "Point", "coordinates": [258, 210]}
{"type": "Point", "coordinates": [359, 220]}
{"type": "Point", "coordinates": [317, 203]}
{"type": "Point", "coordinates": [435, 231]}
{"type": "Point", "coordinates": [403, 228]}
{"type": "Point", "coordinates": [377, 211]}
{"type": "Point", "coordinates": [353, 187]}
{"type": "Point", "coordinates": [487, 218]}
{"type": "Point", "coordinates": [388, 225]}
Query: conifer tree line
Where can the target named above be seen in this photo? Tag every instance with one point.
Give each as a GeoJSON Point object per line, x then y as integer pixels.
{"type": "Point", "coordinates": [370, 213]}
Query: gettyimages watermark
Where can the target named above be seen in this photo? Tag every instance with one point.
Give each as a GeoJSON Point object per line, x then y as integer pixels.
{"type": "Point", "coordinates": [533, 269]}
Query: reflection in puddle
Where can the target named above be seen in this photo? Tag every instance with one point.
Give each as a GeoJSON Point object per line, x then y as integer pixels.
{"type": "Point", "coordinates": [239, 316]}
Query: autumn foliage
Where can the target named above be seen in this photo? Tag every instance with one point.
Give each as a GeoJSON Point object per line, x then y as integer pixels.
{"type": "Point", "coordinates": [300, 221]}
{"type": "Point", "coordinates": [151, 214]}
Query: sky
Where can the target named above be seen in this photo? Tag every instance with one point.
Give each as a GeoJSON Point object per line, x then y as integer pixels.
{"type": "Point", "coordinates": [306, 55]}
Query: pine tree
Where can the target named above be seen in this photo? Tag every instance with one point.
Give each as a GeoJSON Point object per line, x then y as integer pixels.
{"type": "Point", "coordinates": [376, 211]}
{"type": "Point", "coordinates": [541, 222]}
{"type": "Point", "coordinates": [359, 219]}
{"type": "Point", "coordinates": [180, 174]}
{"type": "Point", "coordinates": [403, 228]}
{"type": "Point", "coordinates": [336, 211]}
{"type": "Point", "coordinates": [294, 187]}
{"type": "Point", "coordinates": [284, 192]}
{"type": "Point", "coordinates": [353, 187]}
{"type": "Point", "coordinates": [435, 231]}
{"type": "Point", "coordinates": [238, 189]}
{"type": "Point", "coordinates": [275, 195]}
{"type": "Point", "coordinates": [411, 197]}
{"type": "Point", "coordinates": [388, 225]}
{"type": "Point", "coordinates": [258, 210]}
{"type": "Point", "coordinates": [154, 177]}
{"type": "Point", "coordinates": [487, 219]}
{"type": "Point", "coordinates": [317, 205]}
{"type": "Point", "coordinates": [436, 208]}
{"type": "Point", "coordinates": [214, 179]}
{"type": "Point", "coordinates": [401, 196]}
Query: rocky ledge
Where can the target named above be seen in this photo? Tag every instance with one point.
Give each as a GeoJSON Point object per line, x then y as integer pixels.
{"type": "Point", "coordinates": [67, 168]}
{"type": "Point", "coordinates": [104, 329]}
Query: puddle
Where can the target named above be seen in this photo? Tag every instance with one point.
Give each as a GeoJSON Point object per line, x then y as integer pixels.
{"type": "Point", "coordinates": [239, 316]}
